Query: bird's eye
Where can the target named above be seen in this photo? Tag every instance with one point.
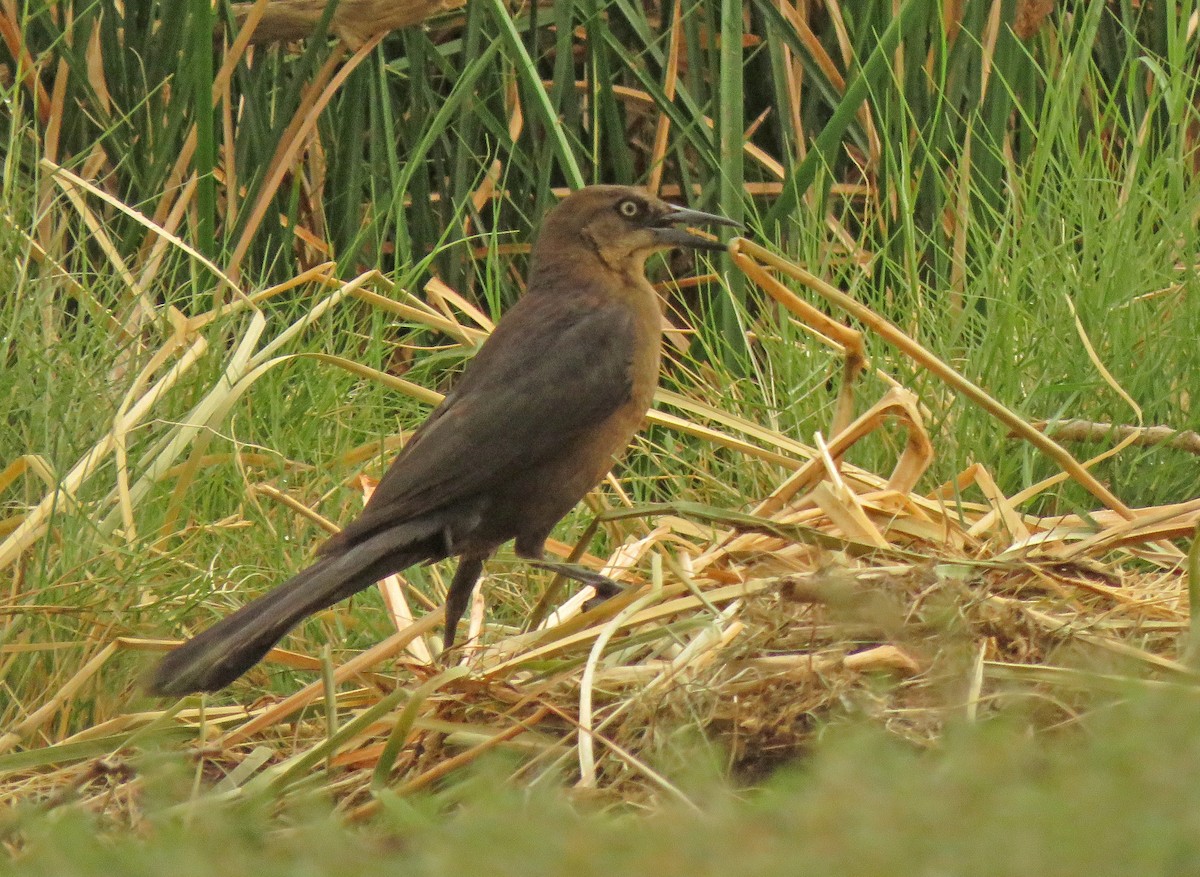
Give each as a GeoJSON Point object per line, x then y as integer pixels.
{"type": "Point", "coordinates": [629, 208]}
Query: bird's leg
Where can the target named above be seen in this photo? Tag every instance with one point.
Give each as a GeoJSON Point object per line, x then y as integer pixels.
{"type": "Point", "coordinates": [605, 587]}
{"type": "Point", "coordinates": [459, 595]}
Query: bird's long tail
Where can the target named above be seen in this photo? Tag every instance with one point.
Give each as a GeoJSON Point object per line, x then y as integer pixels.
{"type": "Point", "coordinates": [217, 656]}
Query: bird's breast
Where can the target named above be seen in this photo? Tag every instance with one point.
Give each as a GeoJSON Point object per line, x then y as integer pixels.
{"type": "Point", "coordinates": [647, 350]}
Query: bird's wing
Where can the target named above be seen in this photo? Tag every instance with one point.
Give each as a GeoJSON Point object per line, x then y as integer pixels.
{"type": "Point", "coordinates": [549, 371]}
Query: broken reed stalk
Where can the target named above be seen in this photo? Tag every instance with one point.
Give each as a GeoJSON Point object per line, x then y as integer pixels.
{"type": "Point", "coordinates": [750, 258]}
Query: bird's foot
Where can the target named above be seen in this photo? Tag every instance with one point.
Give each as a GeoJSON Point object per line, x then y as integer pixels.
{"type": "Point", "coordinates": [605, 587]}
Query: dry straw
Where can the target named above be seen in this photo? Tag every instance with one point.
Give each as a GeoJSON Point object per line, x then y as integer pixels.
{"type": "Point", "coordinates": [843, 591]}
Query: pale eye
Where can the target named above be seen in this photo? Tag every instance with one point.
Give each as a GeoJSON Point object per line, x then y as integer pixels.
{"type": "Point", "coordinates": [629, 209]}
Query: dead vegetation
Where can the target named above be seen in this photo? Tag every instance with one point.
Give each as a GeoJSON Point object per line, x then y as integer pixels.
{"type": "Point", "coordinates": [845, 593]}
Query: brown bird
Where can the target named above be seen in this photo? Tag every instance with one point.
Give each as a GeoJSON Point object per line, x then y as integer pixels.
{"type": "Point", "coordinates": [535, 422]}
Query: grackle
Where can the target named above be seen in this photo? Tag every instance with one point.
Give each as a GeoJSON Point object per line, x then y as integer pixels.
{"type": "Point", "coordinates": [535, 422]}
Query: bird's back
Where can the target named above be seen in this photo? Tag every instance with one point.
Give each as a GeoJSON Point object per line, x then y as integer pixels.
{"type": "Point", "coordinates": [531, 426]}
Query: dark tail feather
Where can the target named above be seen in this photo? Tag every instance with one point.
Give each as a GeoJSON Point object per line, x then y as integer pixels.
{"type": "Point", "coordinates": [217, 656]}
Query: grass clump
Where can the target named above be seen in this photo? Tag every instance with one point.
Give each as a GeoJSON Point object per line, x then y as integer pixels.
{"type": "Point", "coordinates": [1109, 795]}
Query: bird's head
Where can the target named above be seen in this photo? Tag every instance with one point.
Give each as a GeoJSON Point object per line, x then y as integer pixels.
{"type": "Point", "coordinates": [622, 226]}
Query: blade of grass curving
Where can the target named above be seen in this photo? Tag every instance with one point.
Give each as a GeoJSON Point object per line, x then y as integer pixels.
{"type": "Point", "coordinates": [57, 754]}
{"type": "Point", "coordinates": [662, 128]}
{"type": "Point", "coordinates": [788, 127]}
{"type": "Point", "coordinates": [465, 163]}
{"type": "Point", "coordinates": [316, 96]}
{"type": "Point", "coordinates": [390, 647]}
{"type": "Point", "coordinates": [564, 98]}
{"type": "Point", "coordinates": [277, 776]}
{"type": "Point", "coordinates": [66, 178]}
{"type": "Point", "coordinates": [823, 151]}
{"type": "Point", "coordinates": [535, 92]}
{"type": "Point", "coordinates": [198, 61]}
{"type": "Point", "coordinates": [613, 162]}
{"type": "Point", "coordinates": [404, 723]}
{"type": "Point", "coordinates": [694, 93]}
{"type": "Point", "coordinates": [351, 185]}
{"type": "Point", "coordinates": [730, 119]}
{"type": "Point", "coordinates": [684, 112]}
{"type": "Point", "coordinates": [434, 128]}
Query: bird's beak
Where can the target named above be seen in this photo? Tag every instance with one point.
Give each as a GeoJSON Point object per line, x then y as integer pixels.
{"type": "Point", "coordinates": [681, 237]}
